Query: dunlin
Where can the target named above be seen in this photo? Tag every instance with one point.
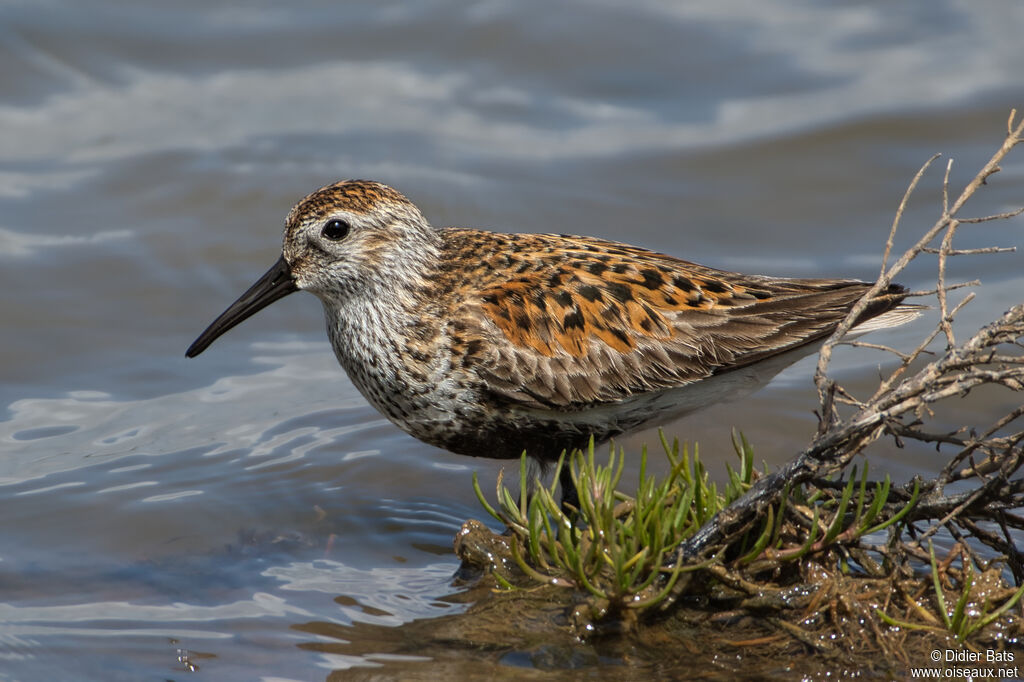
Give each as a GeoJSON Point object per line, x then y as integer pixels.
{"type": "Point", "coordinates": [489, 344]}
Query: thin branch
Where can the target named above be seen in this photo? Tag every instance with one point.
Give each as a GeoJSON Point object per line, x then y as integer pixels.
{"type": "Point", "coordinates": [972, 252]}
{"type": "Point", "coordinates": [904, 395]}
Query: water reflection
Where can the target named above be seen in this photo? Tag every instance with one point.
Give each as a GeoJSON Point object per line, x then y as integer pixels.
{"type": "Point", "coordinates": [258, 412]}
{"type": "Point", "coordinates": [414, 593]}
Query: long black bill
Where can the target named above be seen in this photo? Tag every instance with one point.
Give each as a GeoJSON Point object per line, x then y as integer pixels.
{"type": "Point", "coordinates": [275, 284]}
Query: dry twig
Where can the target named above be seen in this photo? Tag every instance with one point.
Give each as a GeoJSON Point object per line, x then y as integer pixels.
{"type": "Point", "coordinates": [900, 405]}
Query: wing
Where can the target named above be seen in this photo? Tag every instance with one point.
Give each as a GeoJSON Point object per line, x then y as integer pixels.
{"type": "Point", "coordinates": [564, 322]}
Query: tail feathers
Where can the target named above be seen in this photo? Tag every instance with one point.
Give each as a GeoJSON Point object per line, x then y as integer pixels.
{"type": "Point", "coordinates": [901, 314]}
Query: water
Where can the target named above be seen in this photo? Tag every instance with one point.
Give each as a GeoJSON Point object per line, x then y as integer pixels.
{"type": "Point", "coordinates": [166, 518]}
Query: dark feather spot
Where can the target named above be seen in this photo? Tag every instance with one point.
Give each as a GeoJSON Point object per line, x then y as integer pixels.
{"type": "Point", "coordinates": [683, 283]}
{"type": "Point", "coordinates": [652, 278]}
{"type": "Point", "coordinates": [555, 280]}
{"type": "Point", "coordinates": [523, 322]}
{"type": "Point", "coordinates": [591, 293]}
{"type": "Point", "coordinates": [573, 320]}
{"type": "Point", "coordinates": [596, 269]}
{"type": "Point", "coordinates": [621, 336]}
{"type": "Point", "coordinates": [491, 299]}
{"type": "Point", "coordinates": [759, 295]}
{"type": "Point", "coordinates": [620, 292]}
{"type": "Point", "coordinates": [620, 268]}
{"type": "Point", "coordinates": [715, 287]}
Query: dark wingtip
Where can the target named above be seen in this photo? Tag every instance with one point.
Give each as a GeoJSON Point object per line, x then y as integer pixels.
{"type": "Point", "coordinates": [897, 289]}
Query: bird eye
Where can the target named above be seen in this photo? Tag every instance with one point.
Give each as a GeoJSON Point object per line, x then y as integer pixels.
{"type": "Point", "coordinates": [335, 230]}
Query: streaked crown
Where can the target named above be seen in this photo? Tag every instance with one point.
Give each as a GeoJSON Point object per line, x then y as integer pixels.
{"type": "Point", "coordinates": [346, 237]}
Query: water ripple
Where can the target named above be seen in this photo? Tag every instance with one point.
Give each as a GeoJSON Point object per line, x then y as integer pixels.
{"type": "Point", "coordinates": [45, 436]}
